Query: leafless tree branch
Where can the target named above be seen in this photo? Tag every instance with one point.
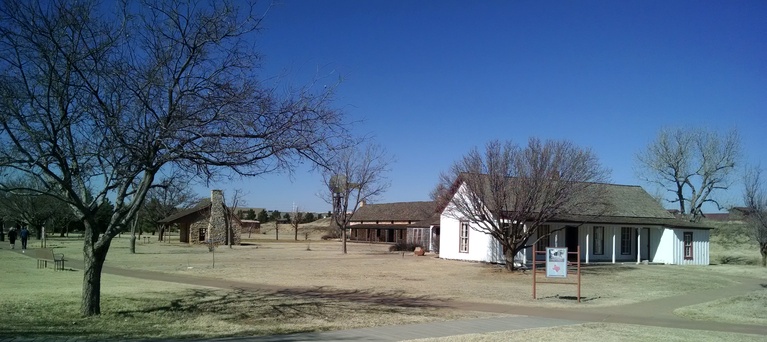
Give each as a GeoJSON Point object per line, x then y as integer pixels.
{"type": "Point", "coordinates": [354, 176]}
{"type": "Point", "coordinates": [755, 198]}
{"type": "Point", "coordinates": [691, 164]}
{"type": "Point", "coordinates": [508, 192]}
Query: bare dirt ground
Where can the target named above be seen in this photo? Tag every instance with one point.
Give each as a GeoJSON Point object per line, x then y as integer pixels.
{"type": "Point", "coordinates": [371, 267]}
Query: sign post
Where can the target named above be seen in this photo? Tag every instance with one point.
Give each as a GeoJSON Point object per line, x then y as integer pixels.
{"type": "Point", "coordinates": [556, 265]}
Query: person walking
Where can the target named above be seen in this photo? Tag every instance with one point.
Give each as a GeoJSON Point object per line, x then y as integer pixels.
{"type": "Point", "coordinates": [12, 237]}
{"type": "Point", "coordinates": [24, 234]}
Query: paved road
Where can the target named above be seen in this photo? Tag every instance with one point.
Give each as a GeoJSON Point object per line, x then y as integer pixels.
{"type": "Point", "coordinates": [651, 313]}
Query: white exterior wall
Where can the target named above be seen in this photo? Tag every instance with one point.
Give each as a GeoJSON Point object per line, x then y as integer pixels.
{"type": "Point", "coordinates": [665, 253]}
{"type": "Point", "coordinates": [700, 251]}
{"type": "Point", "coordinates": [482, 247]}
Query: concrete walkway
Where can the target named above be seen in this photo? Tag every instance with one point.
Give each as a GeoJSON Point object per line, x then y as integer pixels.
{"type": "Point", "coordinates": [651, 313]}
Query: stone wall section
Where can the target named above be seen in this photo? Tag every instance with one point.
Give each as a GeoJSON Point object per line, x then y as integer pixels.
{"type": "Point", "coordinates": [194, 230]}
{"type": "Point", "coordinates": [220, 218]}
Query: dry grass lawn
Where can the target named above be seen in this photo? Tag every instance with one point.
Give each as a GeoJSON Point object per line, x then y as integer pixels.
{"type": "Point", "coordinates": [371, 267]}
{"type": "Point", "coordinates": [747, 309]}
{"type": "Point", "coordinates": [44, 304]}
{"type": "Point", "coordinates": [144, 309]}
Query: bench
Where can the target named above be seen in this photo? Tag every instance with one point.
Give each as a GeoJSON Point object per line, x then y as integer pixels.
{"type": "Point", "coordinates": [46, 254]}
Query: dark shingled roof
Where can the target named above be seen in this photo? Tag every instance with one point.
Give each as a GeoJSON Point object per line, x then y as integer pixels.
{"type": "Point", "coordinates": [628, 201]}
{"type": "Point", "coordinates": [624, 204]}
{"type": "Point", "coordinates": [721, 217]}
{"type": "Point", "coordinates": [400, 211]}
{"type": "Point", "coordinates": [631, 205]}
{"type": "Point", "coordinates": [203, 205]}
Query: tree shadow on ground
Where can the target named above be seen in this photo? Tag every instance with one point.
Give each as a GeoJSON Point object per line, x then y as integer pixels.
{"type": "Point", "coordinates": [390, 298]}
{"type": "Point", "coordinates": [252, 306]}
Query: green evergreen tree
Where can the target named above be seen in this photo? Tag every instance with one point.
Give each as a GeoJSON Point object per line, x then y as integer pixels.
{"type": "Point", "coordinates": [263, 216]}
{"type": "Point", "coordinates": [308, 217]}
{"type": "Point", "coordinates": [250, 215]}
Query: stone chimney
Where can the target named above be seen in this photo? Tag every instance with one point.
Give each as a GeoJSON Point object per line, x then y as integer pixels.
{"type": "Point", "coordinates": [217, 221]}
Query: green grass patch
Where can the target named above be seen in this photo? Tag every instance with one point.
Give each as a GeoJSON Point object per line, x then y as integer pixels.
{"type": "Point", "coordinates": [747, 309]}
{"type": "Point", "coordinates": [600, 332]}
{"type": "Point", "coordinates": [733, 244]}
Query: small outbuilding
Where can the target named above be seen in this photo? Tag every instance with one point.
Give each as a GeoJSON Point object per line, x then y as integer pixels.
{"type": "Point", "coordinates": [209, 221]}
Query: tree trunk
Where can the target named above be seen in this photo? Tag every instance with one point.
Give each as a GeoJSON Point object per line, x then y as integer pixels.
{"type": "Point", "coordinates": [276, 231]}
{"type": "Point", "coordinates": [133, 236]}
{"type": "Point", "coordinates": [161, 234]}
{"type": "Point", "coordinates": [296, 238]}
{"type": "Point", "coordinates": [764, 254]}
{"type": "Point", "coordinates": [680, 197]}
{"type": "Point", "coordinates": [94, 263]}
{"type": "Point", "coordinates": [343, 239]}
{"type": "Point", "coordinates": [509, 256]}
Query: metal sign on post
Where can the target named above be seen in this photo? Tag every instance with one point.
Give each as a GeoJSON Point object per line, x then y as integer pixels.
{"type": "Point", "coordinates": [556, 262]}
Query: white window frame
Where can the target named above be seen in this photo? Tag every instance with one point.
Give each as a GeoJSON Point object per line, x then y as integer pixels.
{"type": "Point", "coordinates": [599, 240]}
{"type": "Point", "coordinates": [626, 240]}
{"type": "Point", "coordinates": [688, 246]}
{"type": "Point", "coordinates": [463, 237]}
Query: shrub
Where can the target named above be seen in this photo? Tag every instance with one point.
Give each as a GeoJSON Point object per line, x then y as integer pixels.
{"type": "Point", "coordinates": [737, 260]}
{"type": "Point", "coordinates": [332, 234]}
{"type": "Point", "coordinates": [404, 246]}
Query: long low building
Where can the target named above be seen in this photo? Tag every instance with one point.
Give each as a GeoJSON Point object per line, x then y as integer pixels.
{"type": "Point", "coordinates": [634, 227]}
{"type": "Point", "coordinates": [411, 222]}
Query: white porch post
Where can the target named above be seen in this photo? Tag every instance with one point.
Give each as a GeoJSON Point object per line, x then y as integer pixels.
{"type": "Point", "coordinates": [587, 245]}
{"type": "Point", "coordinates": [613, 244]}
{"type": "Point", "coordinates": [639, 251]}
{"type": "Point", "coordinates": [556, 239]}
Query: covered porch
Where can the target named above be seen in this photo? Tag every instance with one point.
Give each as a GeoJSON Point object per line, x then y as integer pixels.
{"type": "Point", "coordinates": [685, 244]}
{"type": "Point", "coordinates": [600, 242]}
{"type": "Point", "coordinates": [378, 233]}
{"type": "Point", "coordinates": [426, 237]}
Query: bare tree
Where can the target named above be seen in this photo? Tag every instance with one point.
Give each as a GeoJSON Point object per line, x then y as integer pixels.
{"type": "Point", "coordinates": [691, 164]}
{"type": "Point", "coordinates": [755, 198]}
{"type": "Point", "coordinates": [356, 175]}
{"type": "Point", "coordinates": [29, 204]}
{"type": "Point", "coordinates": [277, 229]}
{"type": "Point", "coordinates": [96, 104]}
{"type": "Point", "coordinates": [295, 220]}
{"type": "Point", "coordinates": [236, 200]}
{"type": "Point", "coordinates": [508, 192]}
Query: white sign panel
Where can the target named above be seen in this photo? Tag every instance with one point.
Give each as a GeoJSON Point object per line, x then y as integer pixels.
{"type": "Point", "coordinates": [556, 262]}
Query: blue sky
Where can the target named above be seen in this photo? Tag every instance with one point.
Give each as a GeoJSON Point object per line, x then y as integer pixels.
{"type": "Point", "coordinates": [429, 80]}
